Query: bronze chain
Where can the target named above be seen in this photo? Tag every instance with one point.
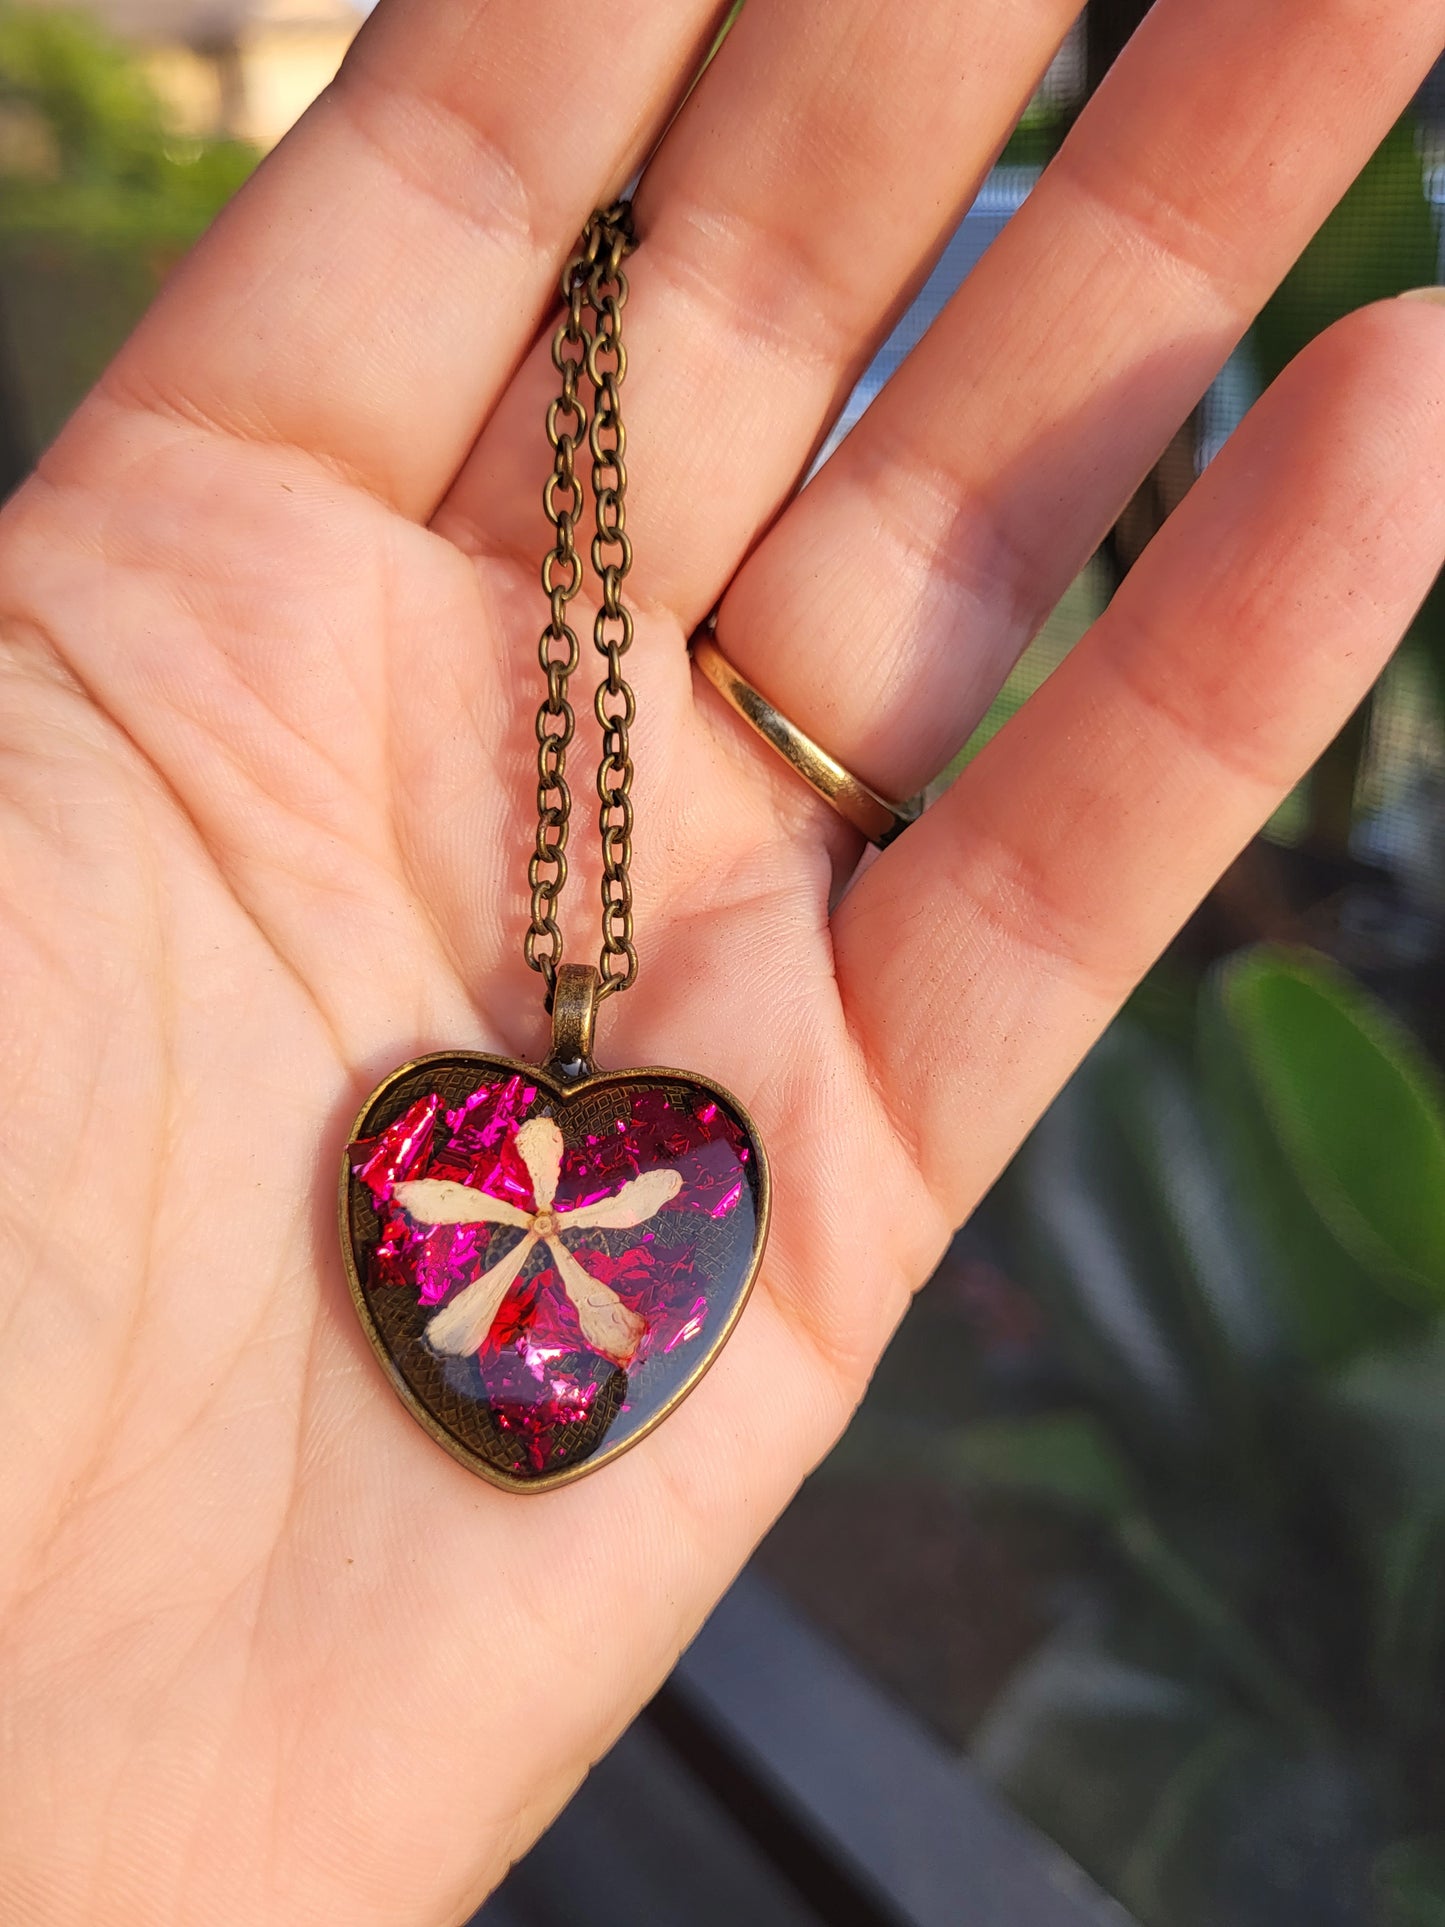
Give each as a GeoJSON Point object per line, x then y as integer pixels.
{"type": "Point", "coordinates": [588, 341]}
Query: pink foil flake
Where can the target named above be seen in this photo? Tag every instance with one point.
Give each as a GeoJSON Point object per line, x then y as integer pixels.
{"type": "Point", "coordinates": [690, 1328]}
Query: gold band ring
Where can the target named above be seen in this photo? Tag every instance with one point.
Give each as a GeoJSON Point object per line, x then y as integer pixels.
{"type": "Point", "coordinates": [879, 820]}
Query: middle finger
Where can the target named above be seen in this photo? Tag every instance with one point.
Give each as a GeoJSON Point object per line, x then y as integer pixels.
{"type": "Point", "coordinates": [828, 153]}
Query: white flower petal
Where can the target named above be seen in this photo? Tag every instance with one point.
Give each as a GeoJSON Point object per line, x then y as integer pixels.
{"type": "Point", "coordinates": [539, 1143]}
{"type": "Point", "coordinates": [442, 1201]}
{"type": "Point", "coordinates": [460, 1327]}
{"type": "Point", "coordinates": [607, 1325]}
{"type": "Point", "coordinates": [634, 1204]}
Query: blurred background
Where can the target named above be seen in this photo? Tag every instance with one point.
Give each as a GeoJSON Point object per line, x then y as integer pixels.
{"type": "Point", "coordinates": [1124, 1596]}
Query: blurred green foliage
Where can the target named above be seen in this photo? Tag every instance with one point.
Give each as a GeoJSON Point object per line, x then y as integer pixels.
{"type": "Point", "coordinates": [1037, 134]}
{"type": "Point", "coordinates": [1235, 1224]}
{"type": "Point", "coordinates": [1411, 1884]}
{"type": "Point", "coordinates": [1368, 1165]}
{"type": "Point", "coordinates": [104, 167]}
{"type": "Point", "coordinates": [98, 197]}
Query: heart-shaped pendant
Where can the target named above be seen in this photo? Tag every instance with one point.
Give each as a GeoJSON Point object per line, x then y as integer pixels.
{"type": "Point", "coordinates": [547, 1265]}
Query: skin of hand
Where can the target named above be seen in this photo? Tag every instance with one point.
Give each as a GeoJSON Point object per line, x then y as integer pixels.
{"type": "Point", "coordinates": [268, 614]}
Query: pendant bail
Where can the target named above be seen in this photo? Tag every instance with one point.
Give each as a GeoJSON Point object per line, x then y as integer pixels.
{"type": "Point", "coordinates": [574, 1017]}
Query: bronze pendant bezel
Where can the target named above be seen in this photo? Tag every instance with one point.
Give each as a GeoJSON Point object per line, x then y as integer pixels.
{"type": "Point", "coordinates": [562, 1091]}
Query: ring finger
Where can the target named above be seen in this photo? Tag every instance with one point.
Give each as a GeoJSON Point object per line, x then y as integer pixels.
{"type": "Point", "coordinates": [883, 611]}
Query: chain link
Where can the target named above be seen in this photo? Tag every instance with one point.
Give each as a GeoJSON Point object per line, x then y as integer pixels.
{"type": "Point", "coordinates": [588, 342]}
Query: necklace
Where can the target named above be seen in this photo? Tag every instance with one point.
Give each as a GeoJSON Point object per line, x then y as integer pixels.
{"type": "Point", "coordinates": [546, 1259]}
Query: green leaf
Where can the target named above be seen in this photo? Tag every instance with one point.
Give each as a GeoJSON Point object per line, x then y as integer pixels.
{"type": "Point", "coordinates": [1410, 1883]}
{"type": "Point", "coordinates": [1376, 1433]}
{"type": "Point", "coordinates": [1192, 1813]}
{"type": "Point", "coordinates": [1082, 1739]}
{"type": "Point", "coordinates": [1061, 1457]}
{"type": "Point", "coordinates": [1222, 1628]}
{"type": "Point", "coordinates": [1332, 1307]}
{"type": "Point", "coordinates": [1166, 1860]}
{"type": "Point", "coordinates": [1254, 1834]}
{"type": "Point", "coordinates": [1354, 1106]}
{"type": "Point", "coordinates": [1127, 1229]}
{"type": "Point", "coordinates": [1066, 1460]}
{"type": "Point", "coordinates": [1391, 1405]}
{"type": "Point", "coordinates": [1409, 1610]}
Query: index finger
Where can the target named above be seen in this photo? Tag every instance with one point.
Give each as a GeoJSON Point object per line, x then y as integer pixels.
{"type": "Point", "coordinates": [368, 293]}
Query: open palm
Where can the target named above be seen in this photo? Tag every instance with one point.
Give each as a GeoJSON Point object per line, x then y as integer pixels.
{"type": "Point", "coordinates": [269, 614]}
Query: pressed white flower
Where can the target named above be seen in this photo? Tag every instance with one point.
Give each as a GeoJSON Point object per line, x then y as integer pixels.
{"type": "Point", "coordinates": [460, 1328]}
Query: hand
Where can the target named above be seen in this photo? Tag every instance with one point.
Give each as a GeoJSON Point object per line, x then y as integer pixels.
{"type": "Point", "coordinates": [270, 611]}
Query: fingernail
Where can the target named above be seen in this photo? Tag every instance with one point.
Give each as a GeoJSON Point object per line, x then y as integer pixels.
{"type": "Point", "coordinates": [1425, 294]}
